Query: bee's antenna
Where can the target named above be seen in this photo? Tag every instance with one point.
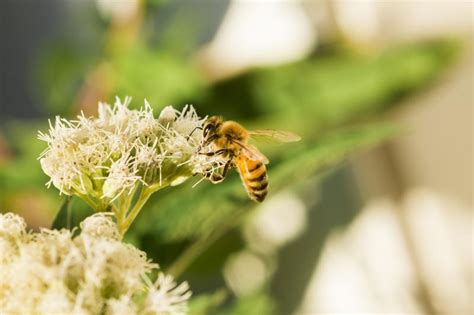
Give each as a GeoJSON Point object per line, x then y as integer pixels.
{"type": "Point", "coordinates": [189, 136]}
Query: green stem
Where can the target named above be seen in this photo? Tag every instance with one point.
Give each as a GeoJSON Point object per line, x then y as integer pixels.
{"type": "Point", "coordinates": [128, 201]}
{"type": "Point", "coordinates": [204, 242]}
{"type": "Point", "coordinates": [130, 217]}
{"type": "Point", "coordinates": [90, 202]}
{"type": "Point", "coordinates": [124, 204]}
{"type": "Point", "coordinates": [115, 209]}
{"type": "Point", "coordinates": [188, 256]}
{"type": "Point", "coordinates": [103, 205]}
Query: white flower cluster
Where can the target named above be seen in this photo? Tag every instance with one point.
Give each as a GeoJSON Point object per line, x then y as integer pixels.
{"type": "Point", "coordinates": [102, 158]}
{"type": "Point", "coordinates": [53, 272]}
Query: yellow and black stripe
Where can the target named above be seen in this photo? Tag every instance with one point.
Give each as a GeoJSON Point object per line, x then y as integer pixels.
{"type": "Point", "coordinates": [254, 177]}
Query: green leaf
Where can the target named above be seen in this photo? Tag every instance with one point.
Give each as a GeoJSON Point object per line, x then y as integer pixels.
{"type": "Point", "coordinates": [22, 139]}
{"type": "Point", "coordinates": [256, 304]}
{"type": "Point", "coordinates": [331, 90]}
{"type": "Point", "coordinates": [189, 213]}
{"type": "Point", "coordinates": [206, 303]}
{"type": "Point", "coordinates": [63, 218]}
{"type": "Point", "coordinates": [70, 216]}
{"type": "Point", "coordinates": [159, 77]}
{"type": "Point", "coordinates": [60, 86]}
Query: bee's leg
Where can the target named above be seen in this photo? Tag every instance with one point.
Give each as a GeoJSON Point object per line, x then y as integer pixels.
{"type": "Point", "coordinates": [217, 178]}
{"type": "Point", "coordinates": [214, 177]}
{"type": "Point", "coordinates": [218, 152]}
{"type": "Point", "coordinates": [226, 167]}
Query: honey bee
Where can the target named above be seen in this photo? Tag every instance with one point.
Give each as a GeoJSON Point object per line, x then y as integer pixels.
{"type": "Point", "coordinates": [230, 140]}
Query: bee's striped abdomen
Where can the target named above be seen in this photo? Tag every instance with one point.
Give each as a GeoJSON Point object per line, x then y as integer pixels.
{"type": "Point", "coordinates": [254, 178]}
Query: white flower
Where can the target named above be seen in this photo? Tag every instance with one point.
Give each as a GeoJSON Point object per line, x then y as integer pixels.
{"type": "Point", "coordinates": [100, 225]}
{"type": "Point", "coordinates": [12, 224]}
{"type": "Point", "coordinates": [122, 175]}
{"type": "Point", "coordinates": [166, 297]}
{"type": "Point", "coordinates": [53, 272]}
{"type": "Point", "coordinates": [121, 306]}
{"type": "Point", "coordinates": [106, 160]}
{"type": "Point", "coordinates": [167, 116]}
{"type": "Point", "coordinates": [109, 155]}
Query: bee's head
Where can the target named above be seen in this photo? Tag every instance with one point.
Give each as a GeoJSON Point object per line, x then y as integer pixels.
{"type": "Point", "coordinates": [210, 128]}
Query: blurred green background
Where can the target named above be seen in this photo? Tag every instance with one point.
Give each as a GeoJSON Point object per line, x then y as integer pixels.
{"type": "Point", "coordinates": [343, 84]}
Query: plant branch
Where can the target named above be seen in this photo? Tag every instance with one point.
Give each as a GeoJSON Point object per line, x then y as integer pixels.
{"type": "Point", "coordinates": [145, 194]}
{"type": "Point", "coordinates": [90, 202]}
{"type": "Point", "coordinates": [204, 242]}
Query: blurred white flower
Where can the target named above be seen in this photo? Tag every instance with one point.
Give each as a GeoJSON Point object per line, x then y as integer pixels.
{"type": "Point", "coordinates": [277, 222]}
{"type": "Point", "coordinates": [246, 273]}
{"type": "Point", "coordinates": [119, 11]}
{"type": "Point", "coordinates": [53, 272]}
{"type": "Point", "coordinates": [11, 224]}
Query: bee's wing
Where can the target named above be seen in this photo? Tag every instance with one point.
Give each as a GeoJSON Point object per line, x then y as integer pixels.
{"type": "Point", "coordinates": [278, 135]}
{"type": "Point", "coordinates": [252, 152]}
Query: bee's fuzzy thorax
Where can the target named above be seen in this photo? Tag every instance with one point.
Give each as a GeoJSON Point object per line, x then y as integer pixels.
{"type": "Point", "coordinates": [234, 130]}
